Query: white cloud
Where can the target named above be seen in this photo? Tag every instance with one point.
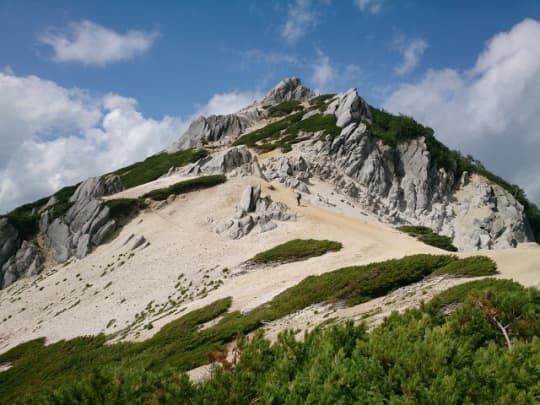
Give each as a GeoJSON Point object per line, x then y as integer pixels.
{"type": "Point", "coordinates": [92, 44]}
{"type": "Point", "coordinates": [327, 76]}
{"type": "Point", "coordinates": [489, 111]}
{"type": "Point", "coordinates": [52, 136]}
{"type": "Point", "coordinates": [228, 103]}
{"type": "Point", "coordinates": [369, 6]}
{"type": "Point", "coordinates": [300, 19]}
{"type": "Point", "coordinates": [411, 50]}
{"type": "Point", "coordinates": [323, 72]}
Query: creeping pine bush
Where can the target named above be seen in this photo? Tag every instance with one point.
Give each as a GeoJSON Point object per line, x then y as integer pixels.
{"type": "Point", "coordinates": [426, 355]}
{"type": "Point", "coordinates": [296, 249]}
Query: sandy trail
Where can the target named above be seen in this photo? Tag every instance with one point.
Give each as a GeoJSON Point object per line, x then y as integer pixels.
{"type": "Point", "coordinates": [187, 265]}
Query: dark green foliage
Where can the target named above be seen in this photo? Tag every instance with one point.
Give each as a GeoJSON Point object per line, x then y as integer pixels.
{"type": "Point", "coordinates": [284, 108]}
{"type": "Point", "coordinates": [123, 207]}
{"type": "Point", "coordinates": [473, 266]}
{"type": "Point", "coordinates": [182, 345]}
{"type": "Point", "coordinates": [296, 249]}
{"type": "Point", "coordinates": [110, 385]}
{"type": "Point", "coordinates": [357, 284]}
{"type": "Point", "coordinates": [156, 166]}
{"type": "Point", "coordinates": [317, 122]}
{"type": "Point", "coordinates": [24, 222]}
{"type": "Point", "coordinates": [25, 217]}
{"type": "Point", "coordinates": [64, 194]}
{"type": "Point", "coordinates": [282, 134]}
{"type": "Point", "coordinates": [179, 344]}
{"type": "Point", "coordinates": [394, 129]}
{"type": "Point", "coordinates": [59, 209]}
{"type": "Point", "coordinates": [424, 356]}
{"type": "Point", "coordinates": [272, 131]}
{"type": "Point", "coordinates": [427, 236]}
{"type": "Point", "coordinates": [185, 187]}
{"type": "Point", "coordinates": [321, 102]}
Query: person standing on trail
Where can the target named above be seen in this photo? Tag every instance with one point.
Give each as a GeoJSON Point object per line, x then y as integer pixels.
{"type": "Point", "coordinates": [298, 198]}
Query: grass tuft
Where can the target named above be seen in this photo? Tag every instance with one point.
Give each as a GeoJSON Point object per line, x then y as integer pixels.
{"type": "Point", "coordinates": [427, 236]}
{"type": "Point", "coordinates": [156, 166]}
{"type": "Point", "coordinates": [284, 108]}
{"type": "Point", "coordinates": [185, 186]}
{"type": "Point", "coordinates": [295, 250]}
{"type": "Point", "coordinates": [473, 266]}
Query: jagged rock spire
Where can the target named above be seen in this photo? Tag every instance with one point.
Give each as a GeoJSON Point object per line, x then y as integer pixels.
{"type": "Point", "coordinates": [286, 90]}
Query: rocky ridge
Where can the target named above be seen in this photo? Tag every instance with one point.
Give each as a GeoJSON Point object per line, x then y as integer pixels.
{"type": "Point", "coordinates": [86, 224]}
{"type": "Point", "coordinates": [224, 128]}
{"type": "Point", "coordinates": [397, 184]}
{"type": "Point", "coordinates": [400, 185]}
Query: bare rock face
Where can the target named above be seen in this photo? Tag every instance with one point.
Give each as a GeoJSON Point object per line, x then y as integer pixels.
{"type": "Point", "coordinates": [9, 240]}
{"type": "Point", "coordinates": [25, 263]}
{"type": "Point", "coordinates": [225, 128]}
{"type": "Point", "coordinates": [94, 187]}
{"type": "Point", "coordinates": [348, 107]}
{"type": "Point", "coordinates": [86, 224]}
{"type": "Point", "coordinates": [254, 212]}
{"type": "Point", "coordinates": [287, 90]}
{"type": "Point", "coordinates": [293, 172]}
{"type": "Point", "coordinates": [236, 160]}
{"type": "Point", "coordinates": [215, 128]}
{"type": "Point", "coordinates": [400, 185]}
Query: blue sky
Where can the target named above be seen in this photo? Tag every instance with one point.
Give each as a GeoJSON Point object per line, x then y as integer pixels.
{"type": "Point", "coordinates": [89, 86]}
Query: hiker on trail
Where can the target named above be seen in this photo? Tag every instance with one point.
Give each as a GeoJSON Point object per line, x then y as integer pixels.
{"type": "Point", "coordinates": [298, 198]}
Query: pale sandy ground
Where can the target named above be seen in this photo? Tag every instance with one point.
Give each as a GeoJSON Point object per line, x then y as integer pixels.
{"type": "Point", "coordinates": [103, 292]}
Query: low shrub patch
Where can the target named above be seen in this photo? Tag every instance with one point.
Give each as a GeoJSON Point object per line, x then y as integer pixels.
{"type": "Point", "coordinates": [427, 236]}
{"type": "Point", "coordinates": [473, 266]}
{"type": "Point", "coordinates": [182, 345]}
{"type": "Point", "coordinates": [296, 249]}
{"type": "Point", "coordinates": [185, 187]}
{"type": "Point", "coordinates": [156, 166]}
{"type": "Point", "coordinates": [123, 207]}
{"type": "Point", "coordinates": [284, 133]}
{"type": "Point", "coordinates": [284, 108]}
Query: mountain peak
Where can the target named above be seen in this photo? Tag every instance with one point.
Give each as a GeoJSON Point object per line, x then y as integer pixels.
{"type": "Point", "coordinates": [288, 89]}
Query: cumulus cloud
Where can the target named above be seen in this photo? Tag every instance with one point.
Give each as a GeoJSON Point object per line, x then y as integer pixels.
{"type": "Point", "coordinates": [52, 136]}
{"type": "Point", "coordinates": [327, 76]}
{"type": "Point", "coordinates": [228, 103]}
{"type": "Point", "coordinates": [300, 19]}
{"type": "Point", "coordinates": [92, 44]}
{"type": "Point", "coordinates": [323, 72]}
{"type": "Point", "coordinates": [369, 6]}
{"type": "Point", "coordinates": [490, 110]}
{"type": "Point", "coordinates": [411, 50]}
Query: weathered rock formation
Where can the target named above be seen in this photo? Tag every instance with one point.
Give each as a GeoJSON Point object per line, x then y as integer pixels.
{"type": "Point", "coordinates": [25, 263]}
{"type": "Point", "coordinates": [225, 128]}
{"type": "Point", "coordinates": [254, 213]}
{"type": "Point", "coordinates": [287, 90]}
{"type": "Point", "coordinates": [233, 161]}
{"type": "Point", "coordinates": [86, 224]}
{"type": "Point", "coordinates": [400, 184]}
{"type": "Point", "coordinates": [9, 240]}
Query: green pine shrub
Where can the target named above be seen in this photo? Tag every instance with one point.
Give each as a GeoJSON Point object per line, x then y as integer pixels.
{"type": "Point", "coordinates": [295, 250]}
{"type": "Point", "coordinates": [427, 236]}
{"type": "Point", "coordinates": [185, 186]}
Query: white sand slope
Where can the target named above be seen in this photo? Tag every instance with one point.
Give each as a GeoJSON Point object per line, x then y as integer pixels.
{"type": "Point", "coordinates": [187, 265]}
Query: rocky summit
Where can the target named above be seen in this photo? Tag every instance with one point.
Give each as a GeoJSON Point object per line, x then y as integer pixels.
{"type": "Point", "coordinates": [333, 140]}
{"type": "Point", "coordinates": [299, 212]}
